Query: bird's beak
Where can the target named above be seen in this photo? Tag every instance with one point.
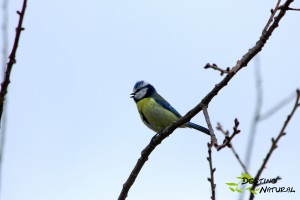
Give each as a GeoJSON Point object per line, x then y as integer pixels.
{"type": "Point", "coordinates": [132, 95]}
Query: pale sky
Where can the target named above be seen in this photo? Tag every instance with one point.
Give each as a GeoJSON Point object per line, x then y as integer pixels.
{"type": "Point", "coordinates": [74, 133]}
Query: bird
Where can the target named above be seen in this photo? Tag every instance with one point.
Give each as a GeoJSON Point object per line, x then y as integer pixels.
{"type": "Point", "coordinates": [155, 112]}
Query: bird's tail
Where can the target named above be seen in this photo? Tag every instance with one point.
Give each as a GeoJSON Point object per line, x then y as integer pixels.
{"type": "Point", "coordinates": [197, 127]}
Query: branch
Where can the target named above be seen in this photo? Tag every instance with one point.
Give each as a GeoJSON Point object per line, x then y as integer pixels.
{"type": "Point", "coordinates": [212, 171]}
{"type": "Point", "coordinates": [277, 107]}
{"type": "Point", "coordinates": [214, 141]}
{"type": "Point", "coordinates": [215, 67]}
{"type": "Point", "coordinates": [12, 58]}
{"type": "Point", "coordinates": [3, 124]}
{"type": "Point", "coordinates": [294, 9]}
{"type": "Point", "coordinates": [8, 68]}
{"type": "Point", "coordinates": [257, 112]}
{"type": "Point", "coordinates": [273, 12]}
{"type": "Point", "coordinates": [228, 138]}
{"type": "Point", "coordinates": [226, 133]}
{"type": "Point", "coordinates": [275, 142]}
{"type": "Point", "coordinates": [243, 62]}
{"type": "Point", "coordinates": [4, 33]}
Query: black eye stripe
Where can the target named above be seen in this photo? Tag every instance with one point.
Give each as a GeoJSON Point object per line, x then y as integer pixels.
{"type": "Point", "coordinates": [137, 90]}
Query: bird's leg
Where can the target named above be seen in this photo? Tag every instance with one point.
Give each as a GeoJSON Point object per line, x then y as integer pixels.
{"type": "Point", "coordinates": [154, 137]}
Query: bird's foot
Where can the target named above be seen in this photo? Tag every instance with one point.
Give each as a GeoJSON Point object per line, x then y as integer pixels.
{"type": "Point", "coordinates": [153, 140]}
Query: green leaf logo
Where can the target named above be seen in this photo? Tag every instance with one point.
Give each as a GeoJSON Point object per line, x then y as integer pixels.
{"type": "Point", "coordinates": [232, 184]}
{"type": "Point", "coordinates": [243, 179]}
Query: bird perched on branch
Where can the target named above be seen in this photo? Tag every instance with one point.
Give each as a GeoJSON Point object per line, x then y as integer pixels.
{"type": "Point", "coordinates": [156, 113]}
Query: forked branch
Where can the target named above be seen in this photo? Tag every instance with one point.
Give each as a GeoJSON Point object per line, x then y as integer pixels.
{"type": "Point", "coordinates": [243, 62]}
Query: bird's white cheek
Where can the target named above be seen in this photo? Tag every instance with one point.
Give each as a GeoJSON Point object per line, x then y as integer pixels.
{"type": "Point", "coordinates": [141, 94]}
{"type": "Point", "coordinates": [137, 96]}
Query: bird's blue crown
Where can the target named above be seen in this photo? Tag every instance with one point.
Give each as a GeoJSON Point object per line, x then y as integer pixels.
{"type": "Point", "coordinates": [139, 84]}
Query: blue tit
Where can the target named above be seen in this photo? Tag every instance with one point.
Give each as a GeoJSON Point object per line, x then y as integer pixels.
{"type": "Point", "coordinates": [156, 113]}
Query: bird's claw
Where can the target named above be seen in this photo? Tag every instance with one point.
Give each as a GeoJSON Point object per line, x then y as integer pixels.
{"type": "Point", "coordinates": [154, 137]}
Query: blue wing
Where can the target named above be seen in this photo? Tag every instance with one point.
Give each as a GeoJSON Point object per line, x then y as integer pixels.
{"type": "Point", "coordinates": [161, 101]}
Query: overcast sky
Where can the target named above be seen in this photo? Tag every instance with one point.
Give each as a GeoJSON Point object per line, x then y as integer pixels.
{"type": "Point", "coordinates": [74, 133]}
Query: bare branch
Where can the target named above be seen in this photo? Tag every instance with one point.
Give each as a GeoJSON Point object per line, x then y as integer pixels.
{"type": "Point", "coordinates": [4, 61]}
{"type": "Point", "coordinates": [215, 67]}
{"type": "Point", "coordinates": [12, 58]}
{"type": "Point", "coordinates": [8, 68]}
{"type": "Point", "coordinates": [226, 133]}
{"type": "Point", "coordinates": [227, 140]}
{"type": "Point", "coordinates": [239, 160]}
{"type": "Point", "coordinates": [212, 171]}
{"type": "Point", "coordinates": [214, 141]}
{"type": "Point", "coordinates": [277, 107]}
{"type": "Point", "coordinates": [273, 12]}
{"type": "Point", "coordinates": [294, 9]}
{"type": "Point", "coordinates": [243, 62]}
{"type": "Point", "coordinates": [257, 111]}
{"type": "Point", "coordinates": [275, 142]}
{"type": "Point", "coordinates": [4, 34]}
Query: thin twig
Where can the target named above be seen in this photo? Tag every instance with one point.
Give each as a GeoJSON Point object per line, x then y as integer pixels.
{"type": "Point", "coordinates": [243, 62]}
{"type": "Point", "coordinates": [294, 9]}
{"type": "Point", "coordinates": [4, 61]}
{"type": "Point", "coordinates": [12, 58]}
{"type": "Point", "coordinates": [8, 68]}
{"type": "Point", "coordinates": [275, 142]}
{"type": "Point", "coordinates": [4, 34]}
{"type": "Point", "coordinates": [227, 141]}
{"type": "Point", "coordinates": [273, 12]}
{"type": "Point", "coordinates": [239, 160]}
{"type": "Point", "coordinates": [257, 111]}
{"type": "Point", "coordinates": [215, 67]}
{"type": "Point", "coordinates": [226, 134]}
{"type": "Point", "coordinates": [212, 171]}
{"type": "Point", "coordinates": [214, 140]}
{"type": "Point", "coordinates": [277, 107]}
{"type": "Point", "coordinates": [213, 137]}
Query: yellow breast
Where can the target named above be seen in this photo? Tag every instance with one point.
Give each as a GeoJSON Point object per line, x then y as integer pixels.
{"type": "Point", "coordinates": [154, 115]}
